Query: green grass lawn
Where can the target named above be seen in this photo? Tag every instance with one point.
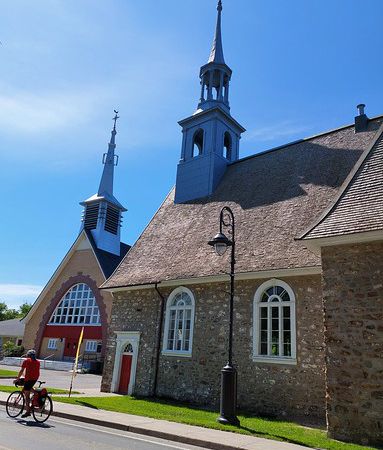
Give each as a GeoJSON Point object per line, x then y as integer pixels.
{"type": "Point", "coordinates": [175, 412]}
{"type": "Point", "coordinates": [50, 390]}
{"type": "Point", "coordinates": [8, 373]}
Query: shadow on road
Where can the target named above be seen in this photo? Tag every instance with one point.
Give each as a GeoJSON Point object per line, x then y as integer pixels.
{"type": "Point", "coordinates": [34, 424]}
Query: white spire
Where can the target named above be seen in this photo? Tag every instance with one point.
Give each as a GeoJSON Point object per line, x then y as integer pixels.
{"type": "Point", "coordinates": [216, 54]}
{"type": "Point", "coordinates": [106, 183]}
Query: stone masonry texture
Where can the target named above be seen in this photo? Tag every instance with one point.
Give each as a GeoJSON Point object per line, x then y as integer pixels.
{"type": "Point", "coordinates": [353, 301]}
{"type": "Point", "coordinates": [263, 388]}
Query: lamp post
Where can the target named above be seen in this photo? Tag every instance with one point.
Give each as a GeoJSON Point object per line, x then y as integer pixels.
{"type": "Point", "coordinates": [228, 401]}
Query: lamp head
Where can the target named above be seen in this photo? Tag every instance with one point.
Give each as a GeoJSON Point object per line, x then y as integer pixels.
{"type": "Point", "coordinates": [220, 243]}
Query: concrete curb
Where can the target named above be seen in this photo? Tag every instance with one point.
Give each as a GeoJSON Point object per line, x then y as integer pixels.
{"type": "Point", "coordinates": [145, 432]}
{"type": "Point", "coordinates": [152, 433]}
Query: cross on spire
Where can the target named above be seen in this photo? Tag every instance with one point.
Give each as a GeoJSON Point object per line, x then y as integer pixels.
{"type": "Point", "coordinates": [115, 119]}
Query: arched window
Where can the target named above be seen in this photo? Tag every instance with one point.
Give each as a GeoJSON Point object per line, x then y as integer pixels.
{"type": "Point", "coordinates": [198, 143]}
{"type": "Point", "coordinates": [274, 322]}
{"type": "Point", "coordinates": [179, 322]}
{"type": "Point", "coordinates": [77, 307]}
{"type": "Point", "coordinates": [227, 144]}
{"type": "Point", "coordinates": [128, 348]}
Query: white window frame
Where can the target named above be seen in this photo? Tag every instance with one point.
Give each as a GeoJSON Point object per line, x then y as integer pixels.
{"type": "Point", "coordinates": [52, 344]}
{"type": "Point", "coordinates": [91, 346]}
{"type": "Point", "coordinates": [165, 350]}
{"type": "Point", "coordinates": [77, 307]}
{"type": "Point", "coordinates": [257, 357]}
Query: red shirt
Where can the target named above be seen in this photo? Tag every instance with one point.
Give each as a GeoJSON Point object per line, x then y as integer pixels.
{"type": "Point", "coordinates": [32, 369]}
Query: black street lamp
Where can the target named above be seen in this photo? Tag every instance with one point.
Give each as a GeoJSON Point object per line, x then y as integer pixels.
{"type": "Point", "coordinates": [220, 243]}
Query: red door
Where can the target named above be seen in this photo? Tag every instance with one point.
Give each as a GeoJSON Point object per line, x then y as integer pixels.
{"type": "Point", "coordinates": [126, 366]}
{"type": "Point", "coordinates": [70, 347]}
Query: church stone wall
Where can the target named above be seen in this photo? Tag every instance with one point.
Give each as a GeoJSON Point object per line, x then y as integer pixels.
{"type": "Point", "coordinates": [264, 388]}
{"type": "Point", "coordinates": [353, 299]}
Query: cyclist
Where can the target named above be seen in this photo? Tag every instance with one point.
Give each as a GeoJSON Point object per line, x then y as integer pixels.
{"type": "Point", "coordinates": [31, 366]}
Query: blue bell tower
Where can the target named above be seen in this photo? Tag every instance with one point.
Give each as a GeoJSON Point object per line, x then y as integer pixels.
{"type": "Point", "coordinates": [211, 135]}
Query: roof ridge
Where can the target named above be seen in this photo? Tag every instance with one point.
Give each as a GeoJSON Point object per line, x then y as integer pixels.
{"type": "Point", "coordinates": [346, 184]}
{"type": "Point", "coordinates": [299, 141]}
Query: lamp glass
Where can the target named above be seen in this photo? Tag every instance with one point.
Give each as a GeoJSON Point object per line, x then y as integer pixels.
{"type": "Point", "coordinates": [220, 248]}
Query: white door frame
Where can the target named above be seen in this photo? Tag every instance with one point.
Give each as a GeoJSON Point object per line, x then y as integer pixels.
{"type": "Point", "coordinates": [122, 339]}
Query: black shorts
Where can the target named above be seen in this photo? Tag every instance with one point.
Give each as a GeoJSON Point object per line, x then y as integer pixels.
{"type": "Point", "coordinates": [28, 385]}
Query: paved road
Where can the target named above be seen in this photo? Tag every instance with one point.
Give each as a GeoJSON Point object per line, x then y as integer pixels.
{"type": "Point", "coordinates": [59, 379]}
{"type": "Point", "coordinates": [62, 434]}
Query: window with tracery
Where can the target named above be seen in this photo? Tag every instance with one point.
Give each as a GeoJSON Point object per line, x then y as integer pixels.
{"type": "Point", "coordinates": [77, 307]}
{"type": "Point", "coordinates": [178, 335]}
{"type": "Point", "coordinates": [274, 321]}
{"type": "Point", "coordinates": [128, 348]}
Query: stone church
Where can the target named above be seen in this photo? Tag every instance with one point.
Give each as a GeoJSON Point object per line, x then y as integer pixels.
{"type": "Point", "coordinates": [71, 299]}
{"type": "Point", "coordinates": [308, 305]}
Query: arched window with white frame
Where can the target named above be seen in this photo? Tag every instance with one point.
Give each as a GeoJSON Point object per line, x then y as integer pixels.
{"type": "Point", "coordinates": [77, 307]}
{"type": "Point", "coordinates": [274, 323]}
{"type": "Point", "coordinates": [179, 323]}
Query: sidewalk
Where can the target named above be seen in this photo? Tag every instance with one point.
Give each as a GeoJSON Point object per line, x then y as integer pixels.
{"type": "Point", "coordinates": [186, 434]}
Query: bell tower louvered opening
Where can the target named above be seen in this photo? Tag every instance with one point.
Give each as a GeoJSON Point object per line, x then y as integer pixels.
{"type": "Point", "coordinates": [112, 221]}
{"type": "Point", "coordinates": [91, 216]}
{"type": "Point", "coordinates": [103, 212]}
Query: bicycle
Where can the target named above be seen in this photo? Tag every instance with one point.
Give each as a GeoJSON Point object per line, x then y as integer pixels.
{"type": "Point", "coordinates": [41, 403]}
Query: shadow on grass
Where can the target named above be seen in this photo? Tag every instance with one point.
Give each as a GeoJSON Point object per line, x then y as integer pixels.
{"type": "Point", "coordinates": [272, 436]}
{"type": "Point", "coordinates": [88, 405]}
{"type": "Point", "coordinates": [245, 414]}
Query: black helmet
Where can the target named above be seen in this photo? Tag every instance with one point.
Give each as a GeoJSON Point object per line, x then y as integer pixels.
{"type": "Point", "coordinates": [31, 353]}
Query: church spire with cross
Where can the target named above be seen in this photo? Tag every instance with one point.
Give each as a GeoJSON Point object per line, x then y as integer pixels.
{"type": "Point", "coordinates": [109, 161]}
{"type": "Point", "coordinates": [216, 74]}
{"type": "Point", "coordinates": [103, 212]}
{"type": "Point", "coordinates": [216, 54]}
{"type": "Point", "coordinates": [211, 135]}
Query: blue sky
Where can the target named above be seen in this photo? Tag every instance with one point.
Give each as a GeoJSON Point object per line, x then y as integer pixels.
{"type": "Point", "coordinates": [299, 68]}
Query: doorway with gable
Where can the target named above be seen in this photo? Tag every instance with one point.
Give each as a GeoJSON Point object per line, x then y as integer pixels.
{"type": "Point", "coordinates": [124, 371]}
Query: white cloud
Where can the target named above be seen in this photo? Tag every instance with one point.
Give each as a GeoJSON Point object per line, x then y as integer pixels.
{"type": "Point", "coordinates": [16, 294]}
{"type": "Point", "coordinates": [273, 132]}
{"type": "Point", "coordinates": [32, 113]}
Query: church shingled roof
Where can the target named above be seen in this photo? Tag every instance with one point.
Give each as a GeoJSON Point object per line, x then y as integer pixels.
{"type": "Point", "coordinates": [358, 207]}
{"type": "Point", "coordinates": [108, 261]}
{"type": "Point", "coordinates": [274, 195]}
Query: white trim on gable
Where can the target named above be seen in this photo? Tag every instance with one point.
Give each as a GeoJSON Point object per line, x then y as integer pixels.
{"type": "Point", "coordinates": [315, 244]}
{"type": "Point", "coordinates": [77, 243]}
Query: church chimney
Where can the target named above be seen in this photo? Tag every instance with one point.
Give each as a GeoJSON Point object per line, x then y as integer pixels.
{"type": "Point", "coordinates": [361, 120]}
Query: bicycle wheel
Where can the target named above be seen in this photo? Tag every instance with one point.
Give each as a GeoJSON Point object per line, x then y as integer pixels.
{"type": "Point", "coordinates": [15, 404]}
{"type": "Point", "coordinates": [42, 413]}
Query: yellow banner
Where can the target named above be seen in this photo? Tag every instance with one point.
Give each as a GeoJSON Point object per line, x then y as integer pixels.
{"type": "Point", "coordinates": [78, 351]}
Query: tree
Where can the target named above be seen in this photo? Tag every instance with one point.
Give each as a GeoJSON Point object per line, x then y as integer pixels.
{"type": "Point", "coordinates": [10, 313]}
{"type": "Point", "coordinates": [24, 309]}
{"type": "Point", "coordinates": [6, 313]}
